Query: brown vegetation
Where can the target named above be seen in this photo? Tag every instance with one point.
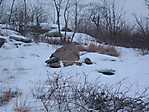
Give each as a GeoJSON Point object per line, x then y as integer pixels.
{"type": "Point", "coordinates": [108, 50]}
{"type": "Point", "coordinates": [7, 96]}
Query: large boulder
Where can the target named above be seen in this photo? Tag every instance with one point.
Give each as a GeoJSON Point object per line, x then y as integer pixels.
{"type": "Point", "coordinates": [2, 41]}
{"type": "Point", "coordinates": [69, 54]}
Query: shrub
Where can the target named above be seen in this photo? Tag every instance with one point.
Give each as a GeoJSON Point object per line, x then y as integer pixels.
{"type": "Point", "coordinates": [63, 94]}
{"type": "Point", "coordinates": [81, 48]}
{"type": "Point", "coordinates": [38, 30]}
{"type": "Point", "coordinates": [53, 34]}
{"type": "Point", "coordinates": [21, 106]}
{"type": "Point", "coordinates": [108, 50]}
{"type": "Point", "coordinates": [7, 96]}
{"type": "Point", "coordinates": [92, 48]}
{"type": "Point", "coordinates": [22, 109]}
{"type": "Point", "coordinates": [143, 51]}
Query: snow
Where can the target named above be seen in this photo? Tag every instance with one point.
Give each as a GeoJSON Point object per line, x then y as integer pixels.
{"type": "Point", "coordinates": [24, 67]}
{"type": "Point", "coordinates": [7, 32]}
{"type": "Point", "coordinates": [81, 38]}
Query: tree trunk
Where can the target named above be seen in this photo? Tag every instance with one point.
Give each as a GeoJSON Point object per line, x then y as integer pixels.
{"type": "Point", "coordinates": [11, 11]}
{"type": "Point", "coordinates": [1, 2]}
{"type": "Point", "coordinates": [76, 20]}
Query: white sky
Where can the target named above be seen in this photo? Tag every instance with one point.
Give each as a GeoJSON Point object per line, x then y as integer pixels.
{"type": "Point", "coordinates": [130, 7]}
{"type": "Point", "coordinates": [135, 6]}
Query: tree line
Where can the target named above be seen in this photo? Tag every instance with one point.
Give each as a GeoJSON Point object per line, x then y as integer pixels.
{"type": "Point", "coordinates": [104, 19]}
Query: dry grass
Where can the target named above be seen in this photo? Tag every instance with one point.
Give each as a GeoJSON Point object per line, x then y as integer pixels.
{"type": "Point", "coordinates": [108, 50]}
{"type": "Point", "coordinates": [81, 48]}
{"type": "Point", "coordinates": [21, 105]}
{"type": "Point", "coordinates": [92, 48]}
{"type": "Point", "coordinates": [22, 109]}
{"type": "Point", "coordinates": [7, 96]}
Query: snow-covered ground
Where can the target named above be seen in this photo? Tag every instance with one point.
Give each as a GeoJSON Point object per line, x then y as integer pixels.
{"type": "Point", "coordinates": [23, 67]}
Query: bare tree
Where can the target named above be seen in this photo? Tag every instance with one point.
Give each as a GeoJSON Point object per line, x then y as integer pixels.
{"type": "Point", "coordinates": [1, 1]}
{"type": "Point", "coordinates": [147, 3]}
{"type": "Point", "coordinates": [38, 14]}
{"type": "Point", "coordinates": [2, 11]}
{"type": "Point", "coordinates": [76, 5]}
{"type": "Point", "coordinates": [66, 15]}
{"type": "Point", "coordinates": [141, 26]}
{"type": "Point", "coordinates": [112, 17]}
{"type": "Point", "coordinates": [25, 13]}
{"type": "Point", "coordinates": [96, 16]}
{"type": "Point", "coordinates": [20, 17]}
{"type": "Point", "coordinates": [12, 5]}
{"type": "Point", "coordinates": [58, 5]}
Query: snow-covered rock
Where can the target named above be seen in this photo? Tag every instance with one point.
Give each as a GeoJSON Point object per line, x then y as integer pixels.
{"type": "Point", "coordinates": [20, 38]}
{"type": "Point", "coordinates": [81, 38]}
{"type": "Point", "coordinates": [7, 32]}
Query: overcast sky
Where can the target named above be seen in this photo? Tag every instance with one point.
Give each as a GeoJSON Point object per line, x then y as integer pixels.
{"type": "Point", "coordinates": [135, 6]}
{"type": "Point", "coordinates": [131, 7]}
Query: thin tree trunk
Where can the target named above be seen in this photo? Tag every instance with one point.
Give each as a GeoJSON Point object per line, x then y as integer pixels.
{"type": "Point", "coordinates": [76, 20]}
{"type": "Point", "coordinates": [11, 11]}
{"type": "Point", "coordinates": [58, 9]}
{"type": "Point", "coordinates": [65, 16]}
{"type": "Point", "coordinates": [1, 2]}
{"type": "Point", "coordinates": [58, 22]}
{"type": "Point", "coordinates": [25, 16]}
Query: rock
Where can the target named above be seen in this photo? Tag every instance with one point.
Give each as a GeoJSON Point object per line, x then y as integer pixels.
{"type": "Point", "coordinates": [47, 61]}
{"type": "Point", "coordinates": [67, 64]}
{"type": "Point", "coordinates": [17, 44]}
{"type": "Point", "coordinates": [66, 29]}
{"type": "Point", "coordinates": [53, 62]}
{"type": "Point", "coordinates": [78, 63]}
{"type": "Point", "coordinates": [68, 54]}
{"type": "Point", "coordinates": [107, 72]}
{"type": "Point", "coordinates": [2, 41]}
{"type": "Point", "coordinates": [88, 61]}
{"type": "Point", "coordinates": [55, 65]}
